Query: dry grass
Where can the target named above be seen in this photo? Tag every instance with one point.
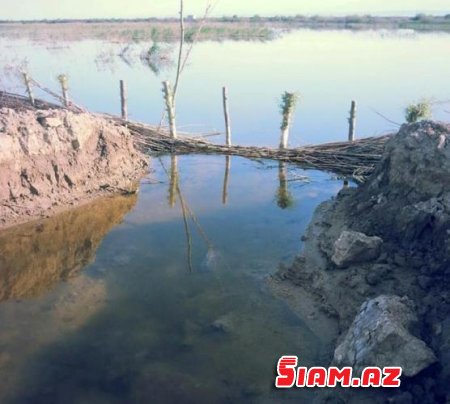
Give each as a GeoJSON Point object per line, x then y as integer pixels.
{"type": "Point", "coordinates": [235, 28]}
{"type": "Point", "coordinates": [127, 32]}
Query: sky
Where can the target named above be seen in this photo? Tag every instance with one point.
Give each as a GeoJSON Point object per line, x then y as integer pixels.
{"type": "Point", "coordinates": [52, 9]}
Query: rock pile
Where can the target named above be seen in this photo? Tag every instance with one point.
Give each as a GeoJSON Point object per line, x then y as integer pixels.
{"type": "Point", "coordinates": [376, 251]}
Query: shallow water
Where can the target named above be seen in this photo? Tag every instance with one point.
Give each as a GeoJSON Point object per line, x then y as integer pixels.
{"type": "Point", "coordinates": [139, 323]}
{"type": "Point", "coordinates": [384, 71]}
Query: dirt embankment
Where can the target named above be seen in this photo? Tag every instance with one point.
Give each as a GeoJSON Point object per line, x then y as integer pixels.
{"type": "Point", "coordinates": [51, 159]}
{"type": "Point", "coordinates": [374, 271]}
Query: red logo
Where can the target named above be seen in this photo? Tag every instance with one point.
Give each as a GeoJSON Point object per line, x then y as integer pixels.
{"type": "Point", "coordinates": [289, 374]}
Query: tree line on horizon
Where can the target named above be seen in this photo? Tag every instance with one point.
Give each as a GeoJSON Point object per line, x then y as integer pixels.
{"type": "Point", "coordinates": [355, 19]}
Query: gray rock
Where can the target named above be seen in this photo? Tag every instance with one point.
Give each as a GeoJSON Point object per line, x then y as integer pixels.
{"type": "Point", "coordinates": [353, 247]}
{"type": "Point", "coordinates": [402, 398]}
{"type": "Point", "coordinates": [50, 122]}
{"type": "Point", "coordinates": [380, 336]}
{"type": "Point", "coordinates": [413, 175]}
{"type": "Point", "coordinates": [418, 153]}
{"type": "Point", "coordinates": [399, 260]}
{"type": "Point", "coordinates": [373, 278]}
{"type": "Point", "coordinates": [377, 273]}
{"type": "Point", "coordinates": [424, 281]}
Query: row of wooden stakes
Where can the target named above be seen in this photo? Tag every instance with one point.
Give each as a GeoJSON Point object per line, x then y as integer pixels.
{"type": "Point", "coordinates": [171, 114]}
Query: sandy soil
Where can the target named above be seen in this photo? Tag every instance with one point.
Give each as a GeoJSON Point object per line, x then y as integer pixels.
{"type": "Point", "coordinates": [54, 159]}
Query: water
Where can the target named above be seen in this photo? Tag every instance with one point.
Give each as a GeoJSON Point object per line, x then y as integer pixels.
{"type": "Point", "coordinates": [384, 71]}
{"type": "Point", "coordinates": [125, 318]}
{"type": "Point", "coordinates": [116, 301]}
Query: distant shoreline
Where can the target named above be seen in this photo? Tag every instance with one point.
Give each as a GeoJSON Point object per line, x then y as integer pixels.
{"type": "Point", "coordinates": [356, 18]}
{"type": "Point", "coordinates": [216, 29]}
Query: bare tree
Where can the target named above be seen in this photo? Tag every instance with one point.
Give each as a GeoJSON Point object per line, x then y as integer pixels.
{"type": "Point", "coordinates": [182, 61]}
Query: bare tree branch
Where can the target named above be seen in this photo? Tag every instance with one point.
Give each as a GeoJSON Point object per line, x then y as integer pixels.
{"type": "Point", "coordinates": [180, 51]}
{"type": "Point", "coordinates": [209, 8]}
{"type": "Point", "coordinates": [181, 64]}
{"type": "Point", "coordinates": [386, 118]}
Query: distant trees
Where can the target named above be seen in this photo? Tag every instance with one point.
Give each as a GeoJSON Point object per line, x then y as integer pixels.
{"type": "Point", "coordinates": [421, 17]}
{"type": "Point", "coordinates": [358, 19]}
{"type": "Point", "coordinates": [234, 18]}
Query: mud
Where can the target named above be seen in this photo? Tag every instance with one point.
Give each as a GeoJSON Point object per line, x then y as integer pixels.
{"type": "Point", "coordinates": [53, 159]}
{"type": "Point", "coordinates": [406, 202]}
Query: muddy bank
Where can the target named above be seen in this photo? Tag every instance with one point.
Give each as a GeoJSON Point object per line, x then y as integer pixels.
{"type": "Point", "coordinates": [375, 267]}
{"type": "Point", "coordinates": [52, 159]}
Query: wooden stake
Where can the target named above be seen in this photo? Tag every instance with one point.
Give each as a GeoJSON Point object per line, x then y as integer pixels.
{"type": "Point", "coordinates": [288, 102]}
{"type": "Point", "coordinates": [285, 135]}
{"type": "Point", "coordinates": [352, 123]}
{"type": "Point", "coordinates": [123, 100]}
{"type": "Point", "coordinates": [65, 89]}
{"type": "Point", "coordinates": [226, 180]}
{"type": "Point", "coordinates": [168, 96]}
{"type": "Point", "coordinates": [26, 78]}
{"type": "Point", "coordinates": [227, 116]}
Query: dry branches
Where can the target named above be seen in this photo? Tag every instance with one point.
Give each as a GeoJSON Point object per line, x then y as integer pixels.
{"type": "Point", "coordinates": [356, 159]}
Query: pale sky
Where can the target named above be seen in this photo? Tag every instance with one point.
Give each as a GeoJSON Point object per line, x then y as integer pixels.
{"type": "Point", "coordinates": [51, 9]}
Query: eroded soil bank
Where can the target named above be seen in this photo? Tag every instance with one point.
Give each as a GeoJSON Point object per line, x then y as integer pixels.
{"type": "Point", "coordinates": [373, 277]}
{"type": "Point", "coordinates": [52, 159]}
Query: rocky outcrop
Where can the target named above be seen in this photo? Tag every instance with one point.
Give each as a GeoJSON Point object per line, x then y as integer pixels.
{"type": "Point", "coordinates": [406, 203]}
{"type": "Point", "coordinates": [380, 336]}
{"type": "Point", "coordinates": [353, 247]}
{"type": "Point", "coordinates": [407, 199]}
{"type": "Point", "coordinates": [55, 158]}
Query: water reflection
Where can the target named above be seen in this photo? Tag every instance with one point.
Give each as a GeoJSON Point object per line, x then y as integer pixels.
{"type": "Point", "coordinates": [36, 256]}
{"type": "Point", "coordinates": [136, 326]}
{"type": "Point", "coordinates": [284, 197]}
{"type": "Point", "coordinates": [189, 217]}
{"type": "Point", "coordinates": [173, 184]}
{"type": "Point", "coordinates": [159, 57]}
{"type": "Point", "coordinates": [226, 180]}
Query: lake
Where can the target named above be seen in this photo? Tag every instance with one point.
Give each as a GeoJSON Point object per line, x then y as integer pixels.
{"type": "Point", "coordinates": [162, 296]}
{"type": "Point", "coordinates": [383, 70]}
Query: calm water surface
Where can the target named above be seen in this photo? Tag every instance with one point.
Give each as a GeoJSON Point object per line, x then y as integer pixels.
{"type": "Point", "coordinates": [141, 324]}
{"type": "Point", "coordinates": [384, 71]}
